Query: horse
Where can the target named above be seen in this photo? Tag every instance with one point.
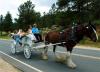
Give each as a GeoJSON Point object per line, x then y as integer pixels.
{"type": "Point", "coordinates": [68, 39]}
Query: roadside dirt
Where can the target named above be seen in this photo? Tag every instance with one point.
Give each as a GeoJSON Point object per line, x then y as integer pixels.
{"type": "Point", "coordinates": [6, 67]}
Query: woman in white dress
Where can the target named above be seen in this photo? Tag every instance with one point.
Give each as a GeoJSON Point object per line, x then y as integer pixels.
{"type": "Point", "coordinates": [30, 34]}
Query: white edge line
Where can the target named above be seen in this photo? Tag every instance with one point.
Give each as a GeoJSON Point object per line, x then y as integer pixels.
{"type": "Point", "coordinates": [92, 57]}
{"type": "Point", "coordinates": [88, 48]}
{"type": "Point", "coordinates": [87, 56]}
{"type": "Point", "coordinates": [22, 62]}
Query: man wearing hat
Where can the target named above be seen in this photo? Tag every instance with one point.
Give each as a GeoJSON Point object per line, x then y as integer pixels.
{"type": "Point", "coordinates": [36, 32]}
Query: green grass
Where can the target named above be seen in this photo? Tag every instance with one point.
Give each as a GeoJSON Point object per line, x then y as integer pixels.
{"type": "Point", "coordinates": [88, 42]}
{"type": "Point", "coordinates": [5, 37]}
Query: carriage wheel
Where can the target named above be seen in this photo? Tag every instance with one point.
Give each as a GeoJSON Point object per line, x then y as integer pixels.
{"type": "Point", "coordinates": [13, 47]}
{"type": "Point", "coordinates": [27, 51]}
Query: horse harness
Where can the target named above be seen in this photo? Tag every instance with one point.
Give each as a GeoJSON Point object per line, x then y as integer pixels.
{"type": "Point", "coordinates": [72, 36]}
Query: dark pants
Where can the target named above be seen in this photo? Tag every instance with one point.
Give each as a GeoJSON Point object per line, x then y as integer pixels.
{"type": "Point", "coordinates": [38, 37]}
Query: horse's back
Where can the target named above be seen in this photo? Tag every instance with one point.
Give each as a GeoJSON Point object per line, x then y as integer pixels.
{"type": "Point", "coordinates": [52, 36]}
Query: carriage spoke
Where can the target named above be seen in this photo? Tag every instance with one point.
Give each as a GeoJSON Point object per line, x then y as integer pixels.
{"type": "Point", "coordinates": [13, 47]}
{"type": "Point", "coordinates": [27, 51]}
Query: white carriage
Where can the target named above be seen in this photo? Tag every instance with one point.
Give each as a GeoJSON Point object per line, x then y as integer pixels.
{"type": "Point", "coordinates": [26, 44]}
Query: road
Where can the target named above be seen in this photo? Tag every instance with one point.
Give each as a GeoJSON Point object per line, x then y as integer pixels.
{"type": "Point", "coordinates": [87, 60]}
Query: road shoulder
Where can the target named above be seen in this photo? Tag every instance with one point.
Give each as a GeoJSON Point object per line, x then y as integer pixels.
{"type": "Point", "coordinates": [6, 67]}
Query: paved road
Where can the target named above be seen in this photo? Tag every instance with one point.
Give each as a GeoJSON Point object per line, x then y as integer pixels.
{"type": "Point", "coordinates": [86, 60]}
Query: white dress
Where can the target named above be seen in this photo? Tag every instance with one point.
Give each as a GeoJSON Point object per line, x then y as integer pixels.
{"type": "Point", "coordinates": [31, 35]}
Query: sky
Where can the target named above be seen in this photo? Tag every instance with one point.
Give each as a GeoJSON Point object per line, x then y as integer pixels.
{"type": "Point", "coordinates": [12, 6]}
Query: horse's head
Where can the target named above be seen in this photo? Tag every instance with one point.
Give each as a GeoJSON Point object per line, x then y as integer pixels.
{"type": "Point", "coordinates": [90, 31]}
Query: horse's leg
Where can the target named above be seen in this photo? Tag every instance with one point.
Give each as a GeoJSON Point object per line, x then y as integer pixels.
{"type": "Point", "coordinates": [59, 57]}
{"type": "Point", "coordinates": [54, 48]}
{"type": "Point", "coordinates": [54, 51]}
{"type": "Point", "coordinates": [44, 53]}
{"type": "Point", "coordinates": [69, 61]}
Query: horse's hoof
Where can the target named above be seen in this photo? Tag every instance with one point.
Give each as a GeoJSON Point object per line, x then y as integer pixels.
{"type": "Point", "coordinates": [45, 57]}
{"type": "Point", "coordinates": [72, 66]}
{"type": "Point", "coordinates": [60, 60]}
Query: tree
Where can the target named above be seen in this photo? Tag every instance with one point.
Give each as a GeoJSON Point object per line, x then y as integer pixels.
{"type": "Point", "coordinates": [53, 9]}
{"type": "Point", "coordinates": [96, 9]}
{"type": "Point", "coordinates": [81, 10]}
{"type": "Point", "coordinates": [27, 15]}
{"type": "Point", "coordinates": [7, 26]}
{"type": "Point", "coordinates": [62, 4]}
{"type": "Point", "coordinates": [1, 24]}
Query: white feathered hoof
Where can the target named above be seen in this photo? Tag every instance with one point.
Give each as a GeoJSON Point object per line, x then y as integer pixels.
{"type": "Point", "coordinates": [60, 59]}
{"type": "Point", "coordinates": [71, 65]}
{"type": "Point", "coordinates": [69, 61]}
{"type": "Point", "coordinates": [44, 57]}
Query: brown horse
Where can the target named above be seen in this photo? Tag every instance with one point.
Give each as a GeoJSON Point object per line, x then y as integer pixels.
{"type": "Point", "coordinates": [71, 36]}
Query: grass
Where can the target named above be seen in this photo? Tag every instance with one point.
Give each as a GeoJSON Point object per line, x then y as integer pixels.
{"type": "Point", "coordinates": [5, 37]}
{"type": "Point", "coordinates": [87, 42]}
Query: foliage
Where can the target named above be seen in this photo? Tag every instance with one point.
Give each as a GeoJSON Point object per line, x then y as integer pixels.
{"type": "Point", "coordinates": [27, 15]}
{"type": "Point", "coordinates": [62, 13]}
{"type": "Point", "coordinates": [88, 42]}
{"type": "Point", "coordinates": [1, 24]}
{"type": "Point", "coordinates": [65, 12]}
{"type": "Point", "coordinates": [7, 23]}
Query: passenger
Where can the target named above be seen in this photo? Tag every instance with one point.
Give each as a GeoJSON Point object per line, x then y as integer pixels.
{"type": "Point", "coordinates": [21, 33]}
{"type": "Point", "coordinates": [36, 32]}
{"type": "Point", "coordinates": [16, 35]}
{"type": "Point", "coordinates": [19, 36]}
{"type": "Point", "coordinates": [13, 33]}
{"type": "Point", "coordinates": [30, 34]}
